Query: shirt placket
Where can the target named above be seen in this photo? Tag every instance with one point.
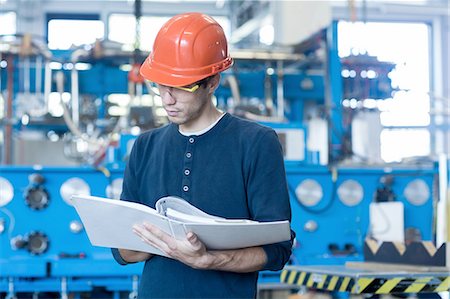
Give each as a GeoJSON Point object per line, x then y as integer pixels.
{"type": "Point", "coordinates": [186, 184]}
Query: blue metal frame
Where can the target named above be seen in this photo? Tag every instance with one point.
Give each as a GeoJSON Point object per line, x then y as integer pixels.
{"type": "Point", "coordinates": [334, 91]}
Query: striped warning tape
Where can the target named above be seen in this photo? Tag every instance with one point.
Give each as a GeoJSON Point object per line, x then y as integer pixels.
{"type": "Point", "coordinates": [372, 285]}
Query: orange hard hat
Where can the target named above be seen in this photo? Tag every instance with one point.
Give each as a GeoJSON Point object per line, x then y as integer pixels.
{"type": "Point", "coordinates": [188, 48]}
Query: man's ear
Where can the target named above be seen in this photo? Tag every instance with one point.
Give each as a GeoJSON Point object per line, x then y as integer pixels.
{"type": "Point", "coordinates": [213, 83]}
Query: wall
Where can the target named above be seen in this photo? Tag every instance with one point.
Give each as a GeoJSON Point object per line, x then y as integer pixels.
{"type": "Point", "coordinates": [294, 21]}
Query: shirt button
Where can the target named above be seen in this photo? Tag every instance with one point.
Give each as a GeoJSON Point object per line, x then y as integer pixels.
{"type": "Point", "coordinates": [185, 188]}
{"type": "Point", "coordinates": [191, 140]}
{"type": "Point", "coordinates": [188, 155]}
{"type": "Point", "coordinates": [187, 172]}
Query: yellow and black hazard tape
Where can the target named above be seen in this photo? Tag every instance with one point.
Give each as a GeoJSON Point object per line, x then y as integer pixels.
{"type": "Point", "coordinates": [368, 285]}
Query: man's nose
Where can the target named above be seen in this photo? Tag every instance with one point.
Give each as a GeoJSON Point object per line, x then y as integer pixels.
{"type": "Point", "coordinates": [167, 98]}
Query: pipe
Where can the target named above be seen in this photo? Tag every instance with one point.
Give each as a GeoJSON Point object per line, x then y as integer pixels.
{"type": "Point", "coordinates": [43, 109]}
{"type": "Point", "coordinates": [9, 112]}
{"type": "Point", "coordinates": [74, 129]}
{"type": "Point", "coordinates": [280, 90]}
{"type": "Point", "coordinates": [47, 83]}
{"type": "Point", "coordinates": [1, 58]}
{"type": "Point", "coordinates": [74, 91]}
{"type": "Point", "coordinates": [2, 102]}
{"type": "Point", "coordinates": [234, 86]}
{"type": "Point", "coordinates": [268, 90]}
{"type": "Point", "coordinates": [75, 96]}
{"type": "Point", "coordinates": [38, 75]}
{"type": "Point", "coordinates": [26, 75]}
{"type": "Point", "coordinates": [66, 115]}
{"type": "Point", "coordinates": [443, 229]}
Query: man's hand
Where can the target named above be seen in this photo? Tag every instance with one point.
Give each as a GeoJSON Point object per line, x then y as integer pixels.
{"type": "Point", "coordinates": [191, 251]}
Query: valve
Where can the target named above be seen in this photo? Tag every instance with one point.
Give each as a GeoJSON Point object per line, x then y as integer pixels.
{"type": "Point", "coordinates": [36, 196]}
{"type": "Point", "coordinates": [38, 243]}
{"type": "Point", "coordinates": [384, 192]}
{"type": "Point", "coordinates": [35, 242]}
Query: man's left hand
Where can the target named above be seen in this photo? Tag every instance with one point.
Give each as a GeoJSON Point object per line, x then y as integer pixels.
{"type": "Point", "coordinates": [190, 251]}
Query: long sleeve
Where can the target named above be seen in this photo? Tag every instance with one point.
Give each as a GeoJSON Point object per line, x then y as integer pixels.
{"type": "Point", "coordinates": [129, 191]}
{"type": "Point", "coordinates": [268, 195]}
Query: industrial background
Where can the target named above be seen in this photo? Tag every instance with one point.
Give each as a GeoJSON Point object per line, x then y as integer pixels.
{"type": "Point", "coordinates": [358, 92]}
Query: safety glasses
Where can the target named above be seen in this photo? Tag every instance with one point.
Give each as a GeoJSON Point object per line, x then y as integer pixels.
{"type": "Point", "coordinates": [162, 89]}
{"type": "Point", "coordinates": [191, 89]}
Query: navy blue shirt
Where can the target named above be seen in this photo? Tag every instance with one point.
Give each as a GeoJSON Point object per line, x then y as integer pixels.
{"type": "Point", "coordinates": [234, 170]}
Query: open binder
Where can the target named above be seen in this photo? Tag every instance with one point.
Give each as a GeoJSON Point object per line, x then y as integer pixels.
{"type": "Point", "coordinates": [109, 222]}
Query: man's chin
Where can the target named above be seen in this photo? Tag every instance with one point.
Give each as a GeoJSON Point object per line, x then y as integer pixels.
{"type": "Point", "coordinates": [175, 120]}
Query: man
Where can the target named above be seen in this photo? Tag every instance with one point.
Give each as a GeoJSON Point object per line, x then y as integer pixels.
{"type": "Point", "coordinates": [221, 164]}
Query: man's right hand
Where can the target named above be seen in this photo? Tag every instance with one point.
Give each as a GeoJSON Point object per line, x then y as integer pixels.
{"type": "Point", "coordinates": [132, 256]}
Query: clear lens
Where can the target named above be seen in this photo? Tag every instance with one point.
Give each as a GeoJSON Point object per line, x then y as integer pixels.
{"type": "Point", "coordinates": [162, 89]}
{"type": "Point", "coordinates": [154, 89]}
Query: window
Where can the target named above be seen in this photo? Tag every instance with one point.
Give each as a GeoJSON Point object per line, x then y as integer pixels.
{"type": "Point", "coordinates": [65, 33]}
{"type": "Point", "coordinates": [405, 116]}
{"type": "Point", "coordinates": [122, 29]}
{"type": "Point", "coordinates": [8, 21]}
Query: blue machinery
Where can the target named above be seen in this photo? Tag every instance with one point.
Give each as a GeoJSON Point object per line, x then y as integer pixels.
{"type": "Point", "coordinates": [44, 248]}
{"type": "Point", "coordinates": [43, 245]}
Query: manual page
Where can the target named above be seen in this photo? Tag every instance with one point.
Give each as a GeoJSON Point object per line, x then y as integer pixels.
{"type": "Point", "coordinates": [113, 226]}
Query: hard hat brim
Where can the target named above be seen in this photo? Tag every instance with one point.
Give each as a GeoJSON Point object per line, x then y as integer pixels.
{"type": "Point", "coordinates": [163, 75]}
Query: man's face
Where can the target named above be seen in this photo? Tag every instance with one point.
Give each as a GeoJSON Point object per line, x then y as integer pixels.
{"type": "Point", "coordinates": [184, 106]}
{"type": "Point", "coordinates": [188, 106]}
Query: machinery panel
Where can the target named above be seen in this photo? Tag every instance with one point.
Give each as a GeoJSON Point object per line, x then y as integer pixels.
{"type": "Point", "coordinates": [330, 209]}
{"type": "Point", "coordinates": [43, 236]}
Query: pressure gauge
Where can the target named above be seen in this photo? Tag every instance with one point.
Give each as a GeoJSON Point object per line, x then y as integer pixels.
{"type": "Point", "coordinates": [350, 193]}
{"type": "Point", "coordinates": [309, 192]}
{"type": "Point", "coordinates": [7, 192]}
{"type": "Point", "coordinates": [73, 186]}
{"type": "Point", "coordinates": [417, 192]}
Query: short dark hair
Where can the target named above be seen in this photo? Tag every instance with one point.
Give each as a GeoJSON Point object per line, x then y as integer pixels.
{"type": "Point", "coordinates": [204, 81]}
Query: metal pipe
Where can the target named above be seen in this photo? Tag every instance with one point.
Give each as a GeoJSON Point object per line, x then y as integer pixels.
{"type": "Point", "coordinates": [443, 229]}
{"type": "Point", "coordinates": [26, 75]}
{"type": "Point", "coordinates": [11, 293]}
{"type": "Point", "coordinates": [134, 287]}
{"type": "Point", "coordinates": [64, 294]}
{"type": "Point", "coordinates": [1, 57]}
{"type": "Point", "coordinates": [38, 77]}
{"type": "Point", "coordinates": [139, 91]}
{"type": "Point", "coordinates": [268, 89]}
{"type": "Point", "coordinates": [66, 115]}
{"type": "Point", "coordinates": [280, 90]}
{"type": "Point", "coordinates": [234, 86]}
{"type": "Point", "coordinates": [265, 55]}
{"type": "Point", "coordinates": [75, 96]}
{"type": "Point", "coordinates": [47, 83]}
{"type": "Point", "coordinates": [9, 112]}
